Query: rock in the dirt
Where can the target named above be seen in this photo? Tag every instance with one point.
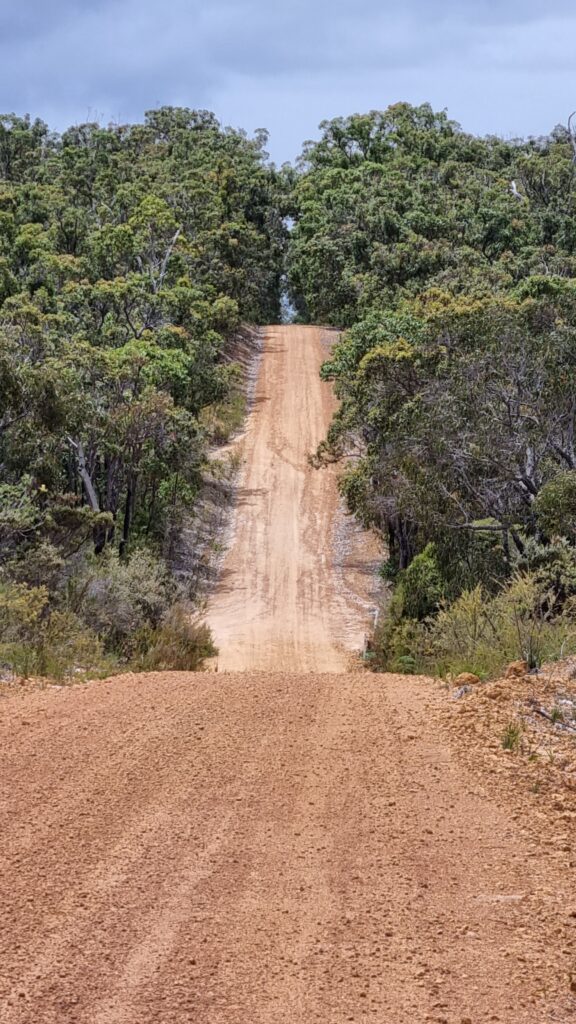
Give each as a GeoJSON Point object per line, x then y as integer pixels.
{"type": "Point", "coordinates": [461, 692]}
{"type": "Point", "coordinates": [516, 669]}
{"type": "Point", "coordinates": [466, 679]}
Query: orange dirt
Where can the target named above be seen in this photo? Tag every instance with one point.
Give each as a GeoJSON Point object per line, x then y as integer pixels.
{"type": "Point", "coordinates": [275, 847]}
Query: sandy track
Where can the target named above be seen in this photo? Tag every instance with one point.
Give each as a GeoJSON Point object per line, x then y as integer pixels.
{"type": "Point", "coordinates": [263, 849]}
{"type": "Point", "coordinates": [280, 603]}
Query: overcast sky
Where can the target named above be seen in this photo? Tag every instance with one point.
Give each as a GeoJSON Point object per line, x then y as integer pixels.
{"type": "Point", "coordinates": [505, 67]}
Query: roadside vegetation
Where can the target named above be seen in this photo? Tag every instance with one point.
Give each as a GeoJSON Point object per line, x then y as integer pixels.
{"type": "Point", "coordinates": [129, 257]}
{"type": "Point", "coordinates": [450, 263]}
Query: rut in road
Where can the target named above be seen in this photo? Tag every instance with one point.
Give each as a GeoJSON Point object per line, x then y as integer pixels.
{"type": "Point", "coordinates": [271, 847]}
{"type": "Point", "coordinates": [282, 600]}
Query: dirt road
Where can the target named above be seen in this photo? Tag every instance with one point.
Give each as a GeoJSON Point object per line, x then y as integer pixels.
{"type": "Point", "coordinates": [264, 849]}
{"type": "Point", "coordinates": [289, 846]}
{"type": "Point", "coordinates": [291, 593]}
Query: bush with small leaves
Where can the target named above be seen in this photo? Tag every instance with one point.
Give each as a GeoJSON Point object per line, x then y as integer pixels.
{"type": "Point", "coordinates": [181, 642]}
{"type": "Point", "coordinates": [555, 506]}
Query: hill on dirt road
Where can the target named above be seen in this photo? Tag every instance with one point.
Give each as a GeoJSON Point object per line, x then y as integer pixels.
{"type": "Point", "coordinates": [297, 588]}
{"type": "Point", "coordinates": [283, 846]}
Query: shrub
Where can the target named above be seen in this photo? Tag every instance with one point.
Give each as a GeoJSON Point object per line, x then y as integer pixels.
{"type": "Point", "coordinates": [554, 568]}
{"type": "Point", "coordinates": [37, 640]}
{"type": "Point", "coordinates": [21, 607]}
{"type": "Point", "coordinates": [399, 646]}
{"type": "Point", "coordinates": [118, 599]}
{"type": "Point", "coordinates": [65, 646]}
{"type": "Point", "coordinates": [480, 633]}
{"type": "Point", "coordinates": [40, 565]}
{"type": "Point", "coordinates": [466, 558]}
{"type": "Point", "coordinates": [112, 610]}
{"type": "Point", "coordinates": [400, 641]}
{"type": "Point", "coordinates": [420, 587]}
{"type": "Point", "coordinates": [180, 642]}
{"type": "Point", "coordinates": [463, 634]}
{"type": "Point", "coordinates": [555, 506]}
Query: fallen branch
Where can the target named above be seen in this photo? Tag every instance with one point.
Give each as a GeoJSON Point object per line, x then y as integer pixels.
{"type": "Point", "coordinates": [550, 718]}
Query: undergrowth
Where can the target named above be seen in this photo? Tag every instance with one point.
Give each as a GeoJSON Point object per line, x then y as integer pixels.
{"type": "Point", "coordinates": [479, 632]}
{"type": "Point", "coordinates": [223, 419]}
{"type": "Point", "coordinates": [111, 615]}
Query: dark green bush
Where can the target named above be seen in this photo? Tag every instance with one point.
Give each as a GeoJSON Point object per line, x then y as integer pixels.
{"type": "Point", "coordinates": [555, 506]}
{"type": "Point", "coordinates": [420, 587]}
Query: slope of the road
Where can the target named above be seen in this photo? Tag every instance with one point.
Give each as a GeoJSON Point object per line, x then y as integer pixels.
{"type": "Point", "coordinates": [265, 849]}
{"type": "Point", "coordinates": [280, 603]}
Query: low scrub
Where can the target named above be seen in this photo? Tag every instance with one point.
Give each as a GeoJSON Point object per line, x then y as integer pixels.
{"type": "Point", "coordinates": [180, 642]}
{"type": "Point", "coordinates": [113, 614]}
{"type": "Point", "coordinates": [36, 640]}
{"type": "Point", "coordinates": [121, 598]}
{"type": "Point", "coordinates": [480, 633]}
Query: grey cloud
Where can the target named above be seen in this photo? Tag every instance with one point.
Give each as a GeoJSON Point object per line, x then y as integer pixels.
{"type": "Point", "coordinates": [73, 59]}
{"type": "Point", "coordinates": [19, 21]}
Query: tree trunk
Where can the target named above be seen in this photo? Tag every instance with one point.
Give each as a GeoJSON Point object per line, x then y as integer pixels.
{"type": "Point", "coordinates": [128, 516]}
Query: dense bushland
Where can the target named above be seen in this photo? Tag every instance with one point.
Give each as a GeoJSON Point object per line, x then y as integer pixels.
{"type": "Point", "coordinates": [450, 261]}
{"type": "Point", "coordinates": [128, 256]}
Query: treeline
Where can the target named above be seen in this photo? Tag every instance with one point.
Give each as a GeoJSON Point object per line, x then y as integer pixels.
{"type": "Point", "coordinates": [128, 256]}
{"type": "Point", "coordinates": [450, 261]}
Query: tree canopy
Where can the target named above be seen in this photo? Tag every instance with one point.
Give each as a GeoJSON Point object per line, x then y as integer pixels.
{"type": "Point", "coordinates": [449, 260]}
{"type": "Point", "coordinates": [128, 256]}
{"type": "Point", "coordinates": [131, 254]}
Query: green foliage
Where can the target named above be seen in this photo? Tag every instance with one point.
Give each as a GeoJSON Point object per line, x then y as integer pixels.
{"type": "Point", "coordinates": [21, 609]}
{"type": "Point", "coordinates": [112, 610]}
{"type": "Point", "coordinates": [66, 646]}
{"type": "Point", "coordinates": [224, 418]}
{"type": "Point", "coordinates": [121, 597]}
{"type": "Point", "coordinates": [128, 256]}
{"type": "Point", "coordinates": [420, 587]}
{"type": "Point", "coordinates": [38, 640]}
{"type": "Point", "coordinates": [555, 506]}
{"type": "Point", "coordinates": [399, 645]}
{"type": "Point", "coordinates": [180, 642]}
{"type": "Point", "coordinates": [451, 263]}
{"type": "Point", "coordinates": [512, 625]}
{"type": "Point", "coordinates": [481, 634]}
{"type": "Point", "coordinates": [129, 253]}
{"type": "Point", "coordinates": [553, 566]}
